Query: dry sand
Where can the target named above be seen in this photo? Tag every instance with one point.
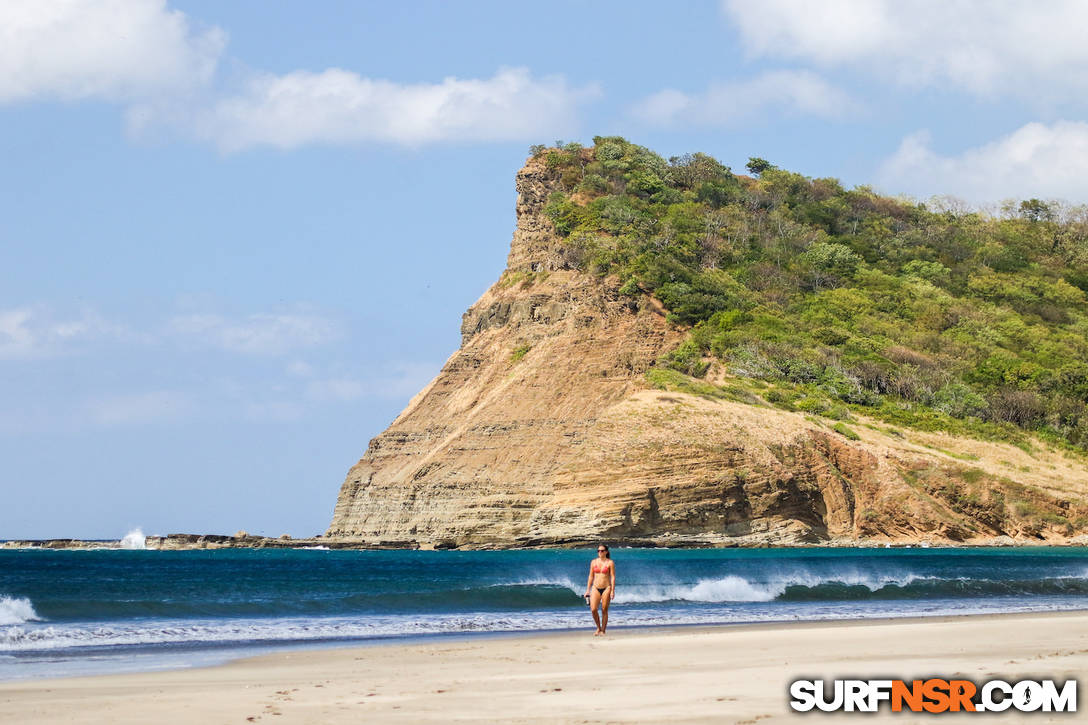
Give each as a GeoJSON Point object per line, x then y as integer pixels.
{"type": "Point", "coordinates": [736, 674]}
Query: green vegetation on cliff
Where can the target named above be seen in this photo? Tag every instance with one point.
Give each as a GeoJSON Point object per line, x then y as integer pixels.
{"type": "Point", "coordinates": [843, 299]}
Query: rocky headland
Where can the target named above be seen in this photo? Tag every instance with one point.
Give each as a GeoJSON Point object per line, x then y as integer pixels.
{"type": "Point", "coordinates": [543, 429]}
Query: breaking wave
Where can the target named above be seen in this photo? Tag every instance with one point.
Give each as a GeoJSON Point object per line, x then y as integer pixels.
{"type": "Point", "coordinates": [17, 611]}
{"type": "Point", "coordinates": [134, 539]}
{"type": "Point", "coordinates": [806, 587]}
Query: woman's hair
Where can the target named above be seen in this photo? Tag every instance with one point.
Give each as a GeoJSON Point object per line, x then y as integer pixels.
{"type": "Point", "coordinates": [607, 551]}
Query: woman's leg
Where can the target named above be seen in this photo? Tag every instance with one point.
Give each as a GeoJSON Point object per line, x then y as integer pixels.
{"type": "Point", "coordinates": [594, 602]}
{"type": "Point", "coordinates": [605, 601]}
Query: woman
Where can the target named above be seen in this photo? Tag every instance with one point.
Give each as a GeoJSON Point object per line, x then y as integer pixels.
{"type": "Point", "coordinates": [601, 587]}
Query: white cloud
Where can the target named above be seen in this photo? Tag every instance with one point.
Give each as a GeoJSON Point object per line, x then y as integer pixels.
{"type": "Point", "coordinates": [165, 387]}
{"type": "Point", "coordinates": [29, 332]}
{"type": "Point", "coordinates": [138, 408]}
{"type": "Point", "coordinates": [1036, 160]}
{"type": "Point", "coordinates": [341, 107]}
{"type": "Point", "coordinates": [112, 49]}
{"type": "Point", "coordinates": [800, 92]}
{"type": "Point", "coordinates": [32, 332]}
{"type": "Point", "coordinates": [272, 411]}
{"type": "Point", "coordinates": [263, 334]}
{"type": "Point", "coordinates": [17, 339]}
{"type": "Point", "coordinates": [104, 410]}
{"type": "Point", "coordinates": [342, 389]}
{"type": "Point", "coordinates": [149, 58]}
{"type": "Point", "coordinates": [300, 369]}
{"type": "Point", "coordinates": [401, 380]}
{"type": "Point", "coordinates": [1001, 47]}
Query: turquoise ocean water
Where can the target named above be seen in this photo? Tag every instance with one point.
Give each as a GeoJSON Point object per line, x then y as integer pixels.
{"type": "Point", "coordinates": [77, 612]}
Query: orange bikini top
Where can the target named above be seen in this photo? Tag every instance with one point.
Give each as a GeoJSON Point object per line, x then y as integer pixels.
{"type": "Point", "coordinates": [602, 570]}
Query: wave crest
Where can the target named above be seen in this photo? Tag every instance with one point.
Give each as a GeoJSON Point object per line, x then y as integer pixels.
{"type": "Point", "coordinates": [134, 539]}
{"type": "Point", "coordinates": [17, 611]}
{"type": "Point", "coordinates": [838, 586]}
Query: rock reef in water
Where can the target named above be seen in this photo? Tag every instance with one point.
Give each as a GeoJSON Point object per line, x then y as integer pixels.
{"type": "Point", "coordinates": [542, 430]}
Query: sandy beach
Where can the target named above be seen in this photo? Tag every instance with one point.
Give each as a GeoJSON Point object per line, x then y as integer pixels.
{"type": "Point", "coordinates": [735, 674]}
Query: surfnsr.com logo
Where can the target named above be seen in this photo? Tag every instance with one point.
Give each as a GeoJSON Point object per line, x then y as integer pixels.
{"type": "Point", "coordinates": [933, 695]}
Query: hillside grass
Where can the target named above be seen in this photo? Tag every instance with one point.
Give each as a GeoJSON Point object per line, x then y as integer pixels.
{"type": "Point", "coordinates": [841, 300]}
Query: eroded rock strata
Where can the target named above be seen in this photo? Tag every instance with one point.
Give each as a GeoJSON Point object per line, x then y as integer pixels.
{"type": "Point", "coordinates": [542, 430]}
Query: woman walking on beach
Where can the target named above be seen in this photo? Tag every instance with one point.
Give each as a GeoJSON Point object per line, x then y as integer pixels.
{"type": "Point", "coordinates": [601, 587]}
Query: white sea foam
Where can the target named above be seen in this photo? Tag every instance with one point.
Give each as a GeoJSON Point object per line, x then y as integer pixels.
{"type": "Point", "coordinates": [564, 581]}
{"type": "Point", "coordinates": [1081, 575]}
{"type": "Point", "coordinates": [73, 637]}
{"type": "Point", "coordinates": [240, 631]}
{"type": "Point", "coordinates": [17, 611]}
{"type": "Point", "coordinates": [724, 589]}
{"type": "Point", "coordinates": [731, 588]}
{"type": "Point", "coordinates": [134, 539]}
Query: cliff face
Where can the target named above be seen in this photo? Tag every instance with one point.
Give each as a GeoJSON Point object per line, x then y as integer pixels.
{"type": "Point", "coordinates": [541, 429]}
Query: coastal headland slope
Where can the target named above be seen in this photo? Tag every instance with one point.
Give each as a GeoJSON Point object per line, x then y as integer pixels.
{"type": "Point", "coordinates": [583, 403]}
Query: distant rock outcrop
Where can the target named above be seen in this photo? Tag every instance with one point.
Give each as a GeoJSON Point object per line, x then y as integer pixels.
{"type": "Point", "coordinates": [542, 430]}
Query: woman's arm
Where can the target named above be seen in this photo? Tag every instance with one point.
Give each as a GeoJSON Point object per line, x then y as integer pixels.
{"type": "Point", "coordinates": [612, 595]}
{"type": "Point", "coordinates": [589, 582]}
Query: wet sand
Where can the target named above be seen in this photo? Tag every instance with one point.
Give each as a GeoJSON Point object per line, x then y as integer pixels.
{"type": "Point", "coordinates": [727, 674]}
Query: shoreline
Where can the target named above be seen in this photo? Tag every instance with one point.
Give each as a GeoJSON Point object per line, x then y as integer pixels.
{"type": "Point", "coordinates": [212, 542]}
{"type": "Point", "coordinates": [159, 657]}
{"type": "Point", "coordinates": [646, 671]}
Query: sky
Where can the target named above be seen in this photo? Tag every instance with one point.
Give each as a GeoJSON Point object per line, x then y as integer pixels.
{"type": "Point", "coordinates": [237, 237]}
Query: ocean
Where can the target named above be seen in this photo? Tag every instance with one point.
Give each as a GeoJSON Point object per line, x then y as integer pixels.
{"type": "Point", "coordinates": [96, 611]}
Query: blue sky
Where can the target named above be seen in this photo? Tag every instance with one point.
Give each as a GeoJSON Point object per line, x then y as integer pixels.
{"type": "Point", "coordinates": [235, 238]}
